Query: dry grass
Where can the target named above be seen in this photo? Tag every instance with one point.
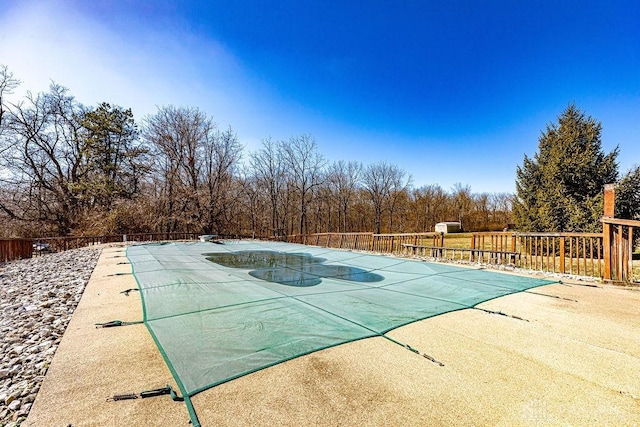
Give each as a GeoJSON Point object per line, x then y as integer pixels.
{"type": "Point", "coordinates": [458, 240]}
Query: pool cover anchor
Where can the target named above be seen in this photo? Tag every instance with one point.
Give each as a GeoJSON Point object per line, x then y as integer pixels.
{"type": "Point", "coordinates": [162, 391]}
{"type": "Point", "coordinates": [146, 394]}
{"type": "Point", "coordinates": [550, 296]}
{"type": "Point", "coordinates": [414, 350]}
{"type": "Point", "coordinates": [437, 362]}
{"type": "Point", "coordinates": [125, 396]}
{"type": "Point", "coordinates": [115, 323]}
{"type": "Point", "coordinates": [501, 314]}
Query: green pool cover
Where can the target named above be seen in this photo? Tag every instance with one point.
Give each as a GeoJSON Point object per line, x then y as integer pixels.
{"type": "Point", "coordinates": [220, 311]}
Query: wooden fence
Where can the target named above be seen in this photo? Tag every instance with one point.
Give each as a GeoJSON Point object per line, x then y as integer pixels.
{"type": "Point", "coordinates": [11, 249]}
{"type": "Point", "coordinates": [72, 242]}
{"type": "Point", "coordinates": [386, 243]}
{"type": "Point", "coordinates": [608, 255]}
{"type": "Point", "coordinates": [567, 253]}
{"type": "Point", "coordinates": [581, 254]}
{"type": "Point", "coordinates": [484, 247]}
{"type": "Point", "coordinates": [618, 250]}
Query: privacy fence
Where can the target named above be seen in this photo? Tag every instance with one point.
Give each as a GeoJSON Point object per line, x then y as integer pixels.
{"type": "Point", "coordinates": [11, 249]}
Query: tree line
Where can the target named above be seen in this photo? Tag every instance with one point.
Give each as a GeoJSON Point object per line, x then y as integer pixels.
{"type": "Point", "coordinates": [71, 169]}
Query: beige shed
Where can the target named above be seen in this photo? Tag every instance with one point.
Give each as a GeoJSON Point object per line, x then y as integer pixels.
{"type": "Point", "coordinates": [448, 227]}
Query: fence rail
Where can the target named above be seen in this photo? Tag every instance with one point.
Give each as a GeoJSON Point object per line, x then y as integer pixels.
{"type": "Point", "coordinates": [462, 254]}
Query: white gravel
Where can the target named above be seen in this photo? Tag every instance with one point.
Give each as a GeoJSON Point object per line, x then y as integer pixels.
{"type": "Point", "coordinates": [37, 299]}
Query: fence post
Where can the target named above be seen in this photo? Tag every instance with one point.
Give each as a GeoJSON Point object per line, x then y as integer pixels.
{"type": "Point", "coordinates": [562, 268]}
{"type": "Point", "coordinates": [609, 212]}
{"type": "Point", "coordinates": [473, 246]}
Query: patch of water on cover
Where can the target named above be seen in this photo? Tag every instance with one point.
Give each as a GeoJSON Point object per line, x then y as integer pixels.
{"type": "Point", "coordinates": [291, 269]}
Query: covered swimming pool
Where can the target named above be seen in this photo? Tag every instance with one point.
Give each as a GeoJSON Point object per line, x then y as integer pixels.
{"type": "Point", "coordinates": [220, 311]}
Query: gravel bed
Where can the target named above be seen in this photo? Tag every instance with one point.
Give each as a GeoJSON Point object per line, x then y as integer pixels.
{"type": "Point", "coordinates": [37, 299]}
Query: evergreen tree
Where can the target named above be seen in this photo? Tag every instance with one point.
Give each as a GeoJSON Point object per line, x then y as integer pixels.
{"type": "Point", "coordinates": [112, 156]}
{"type": "Point", "coordinates": [561, 188]}
{"type": "Point", "coordinates": [628, 195]}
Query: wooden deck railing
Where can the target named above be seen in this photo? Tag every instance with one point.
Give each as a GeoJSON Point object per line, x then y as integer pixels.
{"type": "Point", "coordinates": [567, 253]}
{"type": "Point", "coordinates": [581, 254]}
{"type": "Point", "coordinates": [487, 256]}
{"type": "Point", "coordinates": [386, 243]}
{"type": "Point", "coordinates": [73, 242]}
{"type": "Point", "coordinates": [618, 250]}
{"type": "Point", "coordinates": [608, 255]}
{"type": "Point", "coordinates": [393, 243]}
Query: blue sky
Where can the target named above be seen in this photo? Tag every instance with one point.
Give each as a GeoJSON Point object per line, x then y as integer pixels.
{"type": "Point", "coordinates": [451, 92]}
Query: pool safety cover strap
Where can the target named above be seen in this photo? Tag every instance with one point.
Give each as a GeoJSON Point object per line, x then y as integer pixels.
{"type": "Point", "coordinates": [220, 311]}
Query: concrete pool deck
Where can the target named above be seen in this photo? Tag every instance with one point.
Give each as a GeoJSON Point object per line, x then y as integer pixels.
{"type": "Point", "coordinates": [568, 357]}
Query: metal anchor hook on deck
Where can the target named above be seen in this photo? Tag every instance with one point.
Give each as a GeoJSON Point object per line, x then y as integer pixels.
{"type": "Point", "coordinates": [146, 394]}
{"type": "Point", "coordinates": [115, 323]}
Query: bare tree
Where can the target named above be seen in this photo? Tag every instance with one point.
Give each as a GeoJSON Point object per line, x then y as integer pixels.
{"type": "Point", "coordinates": [463, 203]}
{"type": "Point", "coordinates": [63, 165]}
{"type": "Point", "coordinates": [269, 171]}
{"type": "Point", "coordinates": [398, 193]}
{"type": "Point", "coordinates": [43, 159]}
{"type": "Point", "coordinates": [431, 204]}
{"type": "Point", "coordinates": [500, 205]}
{"type": "Point", "coordinates": [253, 203]}
{"type": "Point", "coordinates": [195, 166]}
{"type": "Point", "coordinates": [343, 179]}
{"type": "Point", "coordinates": [305, 166]}
{"type": "Point", "coordinates": [60, 160]}
{"type": "Point", "coordinates": [381, 180]}
{"type": "Point", "coordinates": [222, 155]}
{"type": "Point", "coordinates": [8, 83]}
{"type": "Point", "coordinates": [177, 138]}
{"type": "Point", "coordinates": [481, 218]}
